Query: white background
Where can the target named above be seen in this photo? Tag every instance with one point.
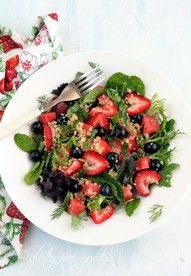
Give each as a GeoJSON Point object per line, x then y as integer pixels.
{"type": "Point", "coordinates": [158, 32]}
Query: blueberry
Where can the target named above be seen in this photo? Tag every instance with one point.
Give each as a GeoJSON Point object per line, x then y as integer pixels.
{"type": "Point", "coordinates": [76, 152]}
{"type": "Point", "coordinates": [151, 147]}
{"type": "Point", "coordinates": [61, 120]}
{"type": "Point", "coordinates": [156, 165]}
{"type": "Point", "coordinates": [37, 127]}
{"type": "Point", "coordinates": [136, 119]}
{"type": "Point", "coordinates": [101, 131]}
{"type": "Point", "coordinates": [105, 190]}
{"type": "Point", "coordinates": [112, 158]}
{"type": "Point", "coordinates": [120, 132]}
{"type": "Point", "coordinates": [35, 156]}
{"type": "Point", "coordinates": [72, 185]}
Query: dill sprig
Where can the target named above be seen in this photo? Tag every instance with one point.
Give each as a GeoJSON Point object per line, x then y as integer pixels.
{"type": "Point", "coordinates": [155, 212]}
{"type": "Point", "coordinates": [42, 101]}
{"type": "Point", "coordinates": [62, 207]}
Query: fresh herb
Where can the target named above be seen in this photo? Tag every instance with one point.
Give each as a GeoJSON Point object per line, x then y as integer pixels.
{"type": "Point", "coordinates": [166, 174]}
{"type": "Point", "coordinates": [131, 206]}
{"type": "Point", "coordinates": [33, 175]}
{"type": "Point", "coordinates": [25, 142]}
{"type": "Point", "coordinates": [95, 203]}
{"type": "Point", "coordinates": [155, 212]}
{"type": "Point", "coordinates": [157, 106]}
{"type": "Point", "coordinates": [124, 148]}
{"type": "Point", "coordinates": [43, 101]}
{"type": "Point", "coordinates": [62, 207]}
{"type": "Point", "coordinates": [92, 95]}
{"type": "Point", "coordinates": [77, 220]}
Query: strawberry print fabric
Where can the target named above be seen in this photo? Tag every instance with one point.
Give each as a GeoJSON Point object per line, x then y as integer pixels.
{"type": "Point", "coordinates": [19, 58]}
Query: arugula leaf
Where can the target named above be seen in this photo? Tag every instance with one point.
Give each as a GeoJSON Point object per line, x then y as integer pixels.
{"type": "Point", "coordinates": [63, 207]}
{"type": "Point", "coordinates": [166, 174]}
{"type": "Point", "coordinates": [131, 206]}
{"type": "Point", "coordinates": [33, 175]}
{"type": "Point", "coordinates": [25, 143]}
{"type": "Point", "coordinates": [92, 95]}
{"type": "Point", "coordinates": [95, 203]}
{"type": "Point", "coordinates": [114, 95]}
{"type": "Point", "coordinates": [157, 107]}
{"type": "Point", "coordinates": [76, 220]}
{"type": "Point", "coordinates": [72, 142]}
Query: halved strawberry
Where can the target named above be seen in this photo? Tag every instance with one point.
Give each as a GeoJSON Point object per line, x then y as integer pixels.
{"type": "Point", "coordinates": [95, 163]}
{"type": "Point", "coordinates": [101, 146]}
{"type": "Point", "coordinates": [12, 62]}
{"type": "Point", "coordinates": [150, 125]}
{"type": "Point", "coordinates": [127, 192]}
{"type": "Point", "coordinates": [76, 207]}
{"type": "Point", "coordinates": [143, 163]}
{"type": "Point", "coordinates": [48, 137]}
{"type": "Point", "coordinates": [132, 143]}
{"type": "Point", "coordinates": [73, 168]}
{"type": "Point", "coordinates": [98, 216]}
{"type": "Point", "coordinates": [90, 189]}
{"type": "Point", "coordinates": [138, 103]}
{"type": "Point", "coordinates": [46, 118]}
{"type": "Point", "coordinates": [143, 179]}
{"type": "Point", "coordinates": [99, 119]}
{"type": "Point", "coordinates": [108, 108]}
{"type": "Point", "coordinates": [10, 74]}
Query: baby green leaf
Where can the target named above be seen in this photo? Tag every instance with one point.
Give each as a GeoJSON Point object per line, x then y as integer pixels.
{"type": "Point", "coordinates": [25, 143]}
{"type": "Point", "coordinates": [32, 176]}
{"type": "Point", "coordinates": [91, 97]}
{"type": "Point", "coordinates": [131, 206]}
{"type": "Point", "coordinates": [166, 174]}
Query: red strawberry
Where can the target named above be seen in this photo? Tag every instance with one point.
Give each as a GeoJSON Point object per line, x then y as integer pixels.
{"type": "Point", "coordinates": [24, 228]}
{"type": "Point", "coordinates": [2, 82]}
{"type": "Point", "coordinates": [8, 43]}
{"type": "Point", "coordinates": [73, 168]}
{"type": "Point", "coordinates": [94, 163]}
{"type": "Point", "coordinates": [10, 74]}
{"type": "Point", "coordinates": [101, 146]}
{"type": "Point", "coordinates": [54, 16]}
{"type": "Point", "coordinates": [8, 86]}
{"type": "Point", "coordinates": [137, 103]}
{"type": "Point", "coordinates": [143, 179]}
{"type": "Point", "coordinates": [99, 119]}
{"type": "Point", "coordinates": [13, 212]}
{"type": "Point", "coordinates": [87, 128]}
{"type": "Point", "coordinates": [127, 192]}
{"type": "Point", "coordinates": [150, 125]}
{"type": "Point", "coordinates": [48, 137]}
{"type": "Point", "coordinates": [12, 62]}
{"type": "Point", "coordinates": [108, 108]}
{"type": "Point", "coordinates": [46, 118]}
{"type": "Point", "coordinates": [60, 108]}
{"type": "Point", "coordinates": [117, 147]}
{"type": "Point", "coordinates": [90, 189]}
{"type": "Point", "coordinates": [98, 216]}
{"type": "Point", "coordinates": [1, 114]}
{"type": "Point", "coordinates": [76, 207]}
{"type": "Point", "coordinates": [132, 143]}
{"type": "Point", "coordinates": [143, 163]}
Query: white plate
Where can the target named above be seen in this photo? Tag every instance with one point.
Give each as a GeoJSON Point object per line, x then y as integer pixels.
{"type": "Point", "coordinates": [14, 163]}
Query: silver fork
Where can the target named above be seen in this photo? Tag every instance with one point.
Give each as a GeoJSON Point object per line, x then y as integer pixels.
{"type": "Point", "coordinates": [73, 91]}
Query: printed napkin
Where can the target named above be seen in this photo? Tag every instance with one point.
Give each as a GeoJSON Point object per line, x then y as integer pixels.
{"type": "Point", "coordinates": [19, 58]}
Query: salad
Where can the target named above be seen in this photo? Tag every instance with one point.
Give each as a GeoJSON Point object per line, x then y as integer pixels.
{"type": "Point", "coordinates": [105, 151]}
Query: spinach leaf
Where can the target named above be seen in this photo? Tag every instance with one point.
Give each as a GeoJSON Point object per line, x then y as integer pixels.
{"type": "Point", "coordinates": [131, 206]}
{"type": "Point", "coordinates": [25, 142]}
{"type": "Point", "coordinates": [92, 95]}
{"type": "Point", "coordinates": [32, 176]}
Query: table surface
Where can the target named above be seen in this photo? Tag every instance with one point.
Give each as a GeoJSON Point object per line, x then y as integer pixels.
{"type": "Point", "coordinates": [155, 31]}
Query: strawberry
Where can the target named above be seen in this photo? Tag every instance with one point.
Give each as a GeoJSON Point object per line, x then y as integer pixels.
{"type": "Point", "coordinates": [137, 103]}
{"type": "Point", "coordinates": [8, 86]}
{"type": "Point", "coordinates": [48, 137]}
{"type": "Point", "coordinates": [101, 146]}
{"type": "Point", "coordinates": [132, 143]}
{"type": "Point", "coordinates": [117, 147]}
{"type": "Point", "coordinates": [10, 74]}
{"type": "Point", "coordinates": [98, 216]}
{"type": "Point", "coordinates": [95, 163]}
{"type": "Point", "coordinates": [12, 62]}
{"type": "Point", "coordinates": [13, 212]}
{"type": "Point", "coordinates": [108, 108]}
{"type": "Point", "coordinates": [99, 119]}
{"type": "Point", "coordinates": [54, 16]}
{"type": "Point", "coordinates": [24, 228]}
{"type": "Point", "coordinates": [60, 108]}
{"type": "Point", "coordinates": [143, 163]}
{"type": "Point", "coordinates": [150, 125]}
{"type": "Point", "coordinates": [46, 118]}
{"type": "Point", "coordinates": [90, 189]}
{"type": "Point", "coordinates": [73, 168]}
{"type": "Point", "coordinates": [143, 179]}
{"type": "Point", "coordinates": [76, 207]}
{"type": "Point", "coordinates": [1, 114]}
{"type": "Point", "coordinates": [2, 83]}
{"type": "Point", "coordinates": [87, 128]}
{"type": "Point", "coordinates": [8, 43]}
{"type": "Point", "coordinates": [127, 192]}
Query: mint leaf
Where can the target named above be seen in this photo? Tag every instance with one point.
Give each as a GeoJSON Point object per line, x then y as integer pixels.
{"type": "Point", "coordinates": [92, 95]}
{"type": "Point", "coordinates": [32, 176]}
{"type": "Point", "coordinates": [166, 174]}
{"type": "Point", "coordinates": [25, 142]}
{"type": "Point", "coordinates": [131, 206]}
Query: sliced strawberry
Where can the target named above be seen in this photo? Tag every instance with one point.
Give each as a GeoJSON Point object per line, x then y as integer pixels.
{"type": "Point", "coordinates": [138, 103]}
{"type": "Point", "coordinates": [8, 86]}
{"type": "Point", "coordinates": [48, 137]}
{"type": "Point", "coordinates": [1, 114]}
{"type": "Point", "coordinates": [76, 207]}
{"type": "Point", "coordinates": [90, 189]}
{"type": "Point", "coordinates": [12, 62]}
{"type": "Point", "coordinates": [87, 128]}
{"type": "Point", "coordinates": [101, 146]}
{"type": "Point", "coordinates": [98, 216]}
{"type": "Point", "coordinates": [143, 179]}
{"type": "Point", "coordinates": [2, 83]}
{"type": "Point", "coordinates": [73, 168]}
{"type": "Point", "coordinates": [10, 74]}
{"type": "Point", "coordinates": [127, 192]}
{"type": "Point", "coordinates": [108, 108]}
{"type": "Point", "coordinates": [8, 43]}
{"type": "Point", "coordinates": [46, 118]}
{"type": "Point", "coordinates": [132, 143]}
{"type": "Point", "coordinates": [95, 163]}
{"type": "Point", "coordinates": [150, 125]}
{"type": "Point", "coordinates": [143, 163]}
{"type": "Point", "coordinates": [99, 119]}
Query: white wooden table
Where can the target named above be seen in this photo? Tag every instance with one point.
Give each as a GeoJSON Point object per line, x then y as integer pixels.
{"type": "Point", "coordinates": [158, 32]}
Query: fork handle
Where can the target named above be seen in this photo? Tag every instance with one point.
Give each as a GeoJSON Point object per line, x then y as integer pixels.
{"type": "Point", "coordinates": [9, 128]}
